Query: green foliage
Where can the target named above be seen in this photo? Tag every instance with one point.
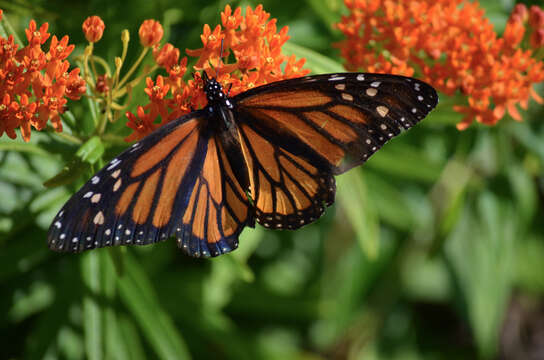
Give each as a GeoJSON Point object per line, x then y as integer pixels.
{"type": "Point", "coordinates": [423, 255]}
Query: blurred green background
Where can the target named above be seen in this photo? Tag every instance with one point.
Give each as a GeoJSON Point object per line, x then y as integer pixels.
{"type": "Point", "coordinates": [433, 250]}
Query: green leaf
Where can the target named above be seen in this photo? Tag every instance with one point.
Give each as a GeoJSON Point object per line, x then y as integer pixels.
{"type": "Point", "coordinates": [358, 208]}
{"type": "Point", "coordinates": [530, 253]}
{"type": "Point", "coordinates": [139, 297]}
{"type": "Point", "coordinates": [525, 192]}
{"type": "Point", "coordinates": [91, 151]}
{"type": "Point", "coordinates": [448, 199]}
{"type": "Point", "coordinates": [23, 147]}
{"type": "Point", "coordinates": [92, 311]}
{"type": "Point", "coordinates": [327, 10]}
{"type": "Point", "coordinates": [405, 161]}
{"type": "Point", "coordinates": [391, 206]}
{"type": "Point", "coordinates": [522, 132]}
{"type": "Point", "coordinates": [318, 63]}
{"type": "Point", "coordinates": [482, 258]}
{"type": "Point", "coordinates": [131, 336]}
{"type": "Point", "coordinates": [346, 286]}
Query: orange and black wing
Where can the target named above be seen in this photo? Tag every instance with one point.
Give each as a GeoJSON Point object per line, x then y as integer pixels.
{"type": "Point", "coordinates": [296, 134]}
{"type": "Point", "coordinates": [175, 182]}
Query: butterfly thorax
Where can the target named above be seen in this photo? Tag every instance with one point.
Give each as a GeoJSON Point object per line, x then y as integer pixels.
{"type": "Point", "coordinates": [219, 104]}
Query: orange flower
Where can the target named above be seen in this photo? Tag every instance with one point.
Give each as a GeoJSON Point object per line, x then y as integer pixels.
{"type": "Point", "coordinates": [142, 124]}
{"type": "Point", "coordinates": [167, 56]}
{"type": "Point", "coordinates": [211, 41]}
{"type": "Point", "coordinates": [37, 37]}
{"type": "Point", "coordinates": [256, 45]}
{"type": "Point", "coordinates": [93, 28]}
{"type": "Point", "coordinates": [60, 49]}
{"type": "Point", "coordinates": [34, 83]}
{"type": "Point", "coordinates": [452, 46]}
{"type": "Point", "coordinates": [150, 33]}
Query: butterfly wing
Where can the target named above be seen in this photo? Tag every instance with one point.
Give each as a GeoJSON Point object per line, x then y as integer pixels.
{"type": "Point", "coordinates": [177, 181]}
{"type": "Point", "coordinates": [296, 134]}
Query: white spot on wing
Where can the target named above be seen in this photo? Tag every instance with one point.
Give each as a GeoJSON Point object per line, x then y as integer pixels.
{"type": "Point", "coordinates": [117, 185]}
{"type": "Point", "coordinates": [375, 84]}
{"type": "Point", "coordinates": [88, 195]}
{"type": "Point", "coordinates": [113, 164]}
{"type": "Point", "coordinates": [371, 92]}
{"type": "Point", "coordinates": [360, 77]}
{"type": "Point", "coordinates": [95, 180]}
{"type": "Point", "coordinates": [382, 110]}
{"type": "Point", "coordinates": [99, 218]}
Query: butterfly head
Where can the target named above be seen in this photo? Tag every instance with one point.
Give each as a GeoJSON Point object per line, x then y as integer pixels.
{"type": "Point", "coordinates": [214, 93]}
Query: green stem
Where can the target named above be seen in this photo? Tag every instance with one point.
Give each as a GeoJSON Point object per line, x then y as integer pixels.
{"type": "Point", "coordinates": [71, 138]}
{"type": "Point", "coordinates": [104, 119]}
{"type": "Point", "coordinates": [133, 68]}
{"type": "Point", "coordinates": [114, 139]}
{"type": "Point", "coordinates": [102, 62]}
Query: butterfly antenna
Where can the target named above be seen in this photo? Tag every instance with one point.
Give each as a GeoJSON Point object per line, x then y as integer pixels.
{"type": "Point", "coordinates": [205, 77]}
{"type": "Point", "coordinates": [221, 53]}
{"type": "Point", "coordinates": [228, 91]}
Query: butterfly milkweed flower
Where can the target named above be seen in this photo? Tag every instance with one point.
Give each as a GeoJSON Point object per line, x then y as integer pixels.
{"type": "Point", "coordinates": [93, 28]}
{"type": "Point", "coordinates": [252, 39]}
{"type": "Point", "coordinates": [35, 84]}
{"type": "Point", "coordinates": [452, 46]}
{"type": "Point", "coordinates": [150, 32]}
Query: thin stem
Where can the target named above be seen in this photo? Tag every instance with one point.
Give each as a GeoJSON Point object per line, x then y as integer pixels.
{"type": "Point", "coordinates": [93, 66]}
{"type": "Point", "coordinates": [104, 64]}
{"type": "Point", "coordinates": [114, 139]}
{"type": "Point", "coordinates": [133, 68]}
{"type": "Point", "coordinates": [71, 138]}
{"type": "Point", "coordinates": [118, 68]}
{"type": "Point", "coordinates": [124, 90]}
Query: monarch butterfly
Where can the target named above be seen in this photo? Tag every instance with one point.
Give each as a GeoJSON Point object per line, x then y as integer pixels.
{"type": "Point", "coordinates": [268, 155]}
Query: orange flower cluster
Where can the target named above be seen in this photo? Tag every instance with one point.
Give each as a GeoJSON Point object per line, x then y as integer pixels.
{"type": "Point", "coordinates": [35, 84]}
{"type": "Point", "coordinates": [256, 45]}
{"type": "Point", "coordinates": [452, 46]}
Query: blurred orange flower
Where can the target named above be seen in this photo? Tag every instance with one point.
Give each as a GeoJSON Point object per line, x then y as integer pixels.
{"type": "Point", "coordinates": [450, 44]}
{"type": "Point", "coordinates": [150, 32]}
{"type": "Point", "coordinates": [93, 28]}
{"type": "Point", "coordinates": [256, 45]}
{"type": "Point", "coordinates": [34, 84]}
